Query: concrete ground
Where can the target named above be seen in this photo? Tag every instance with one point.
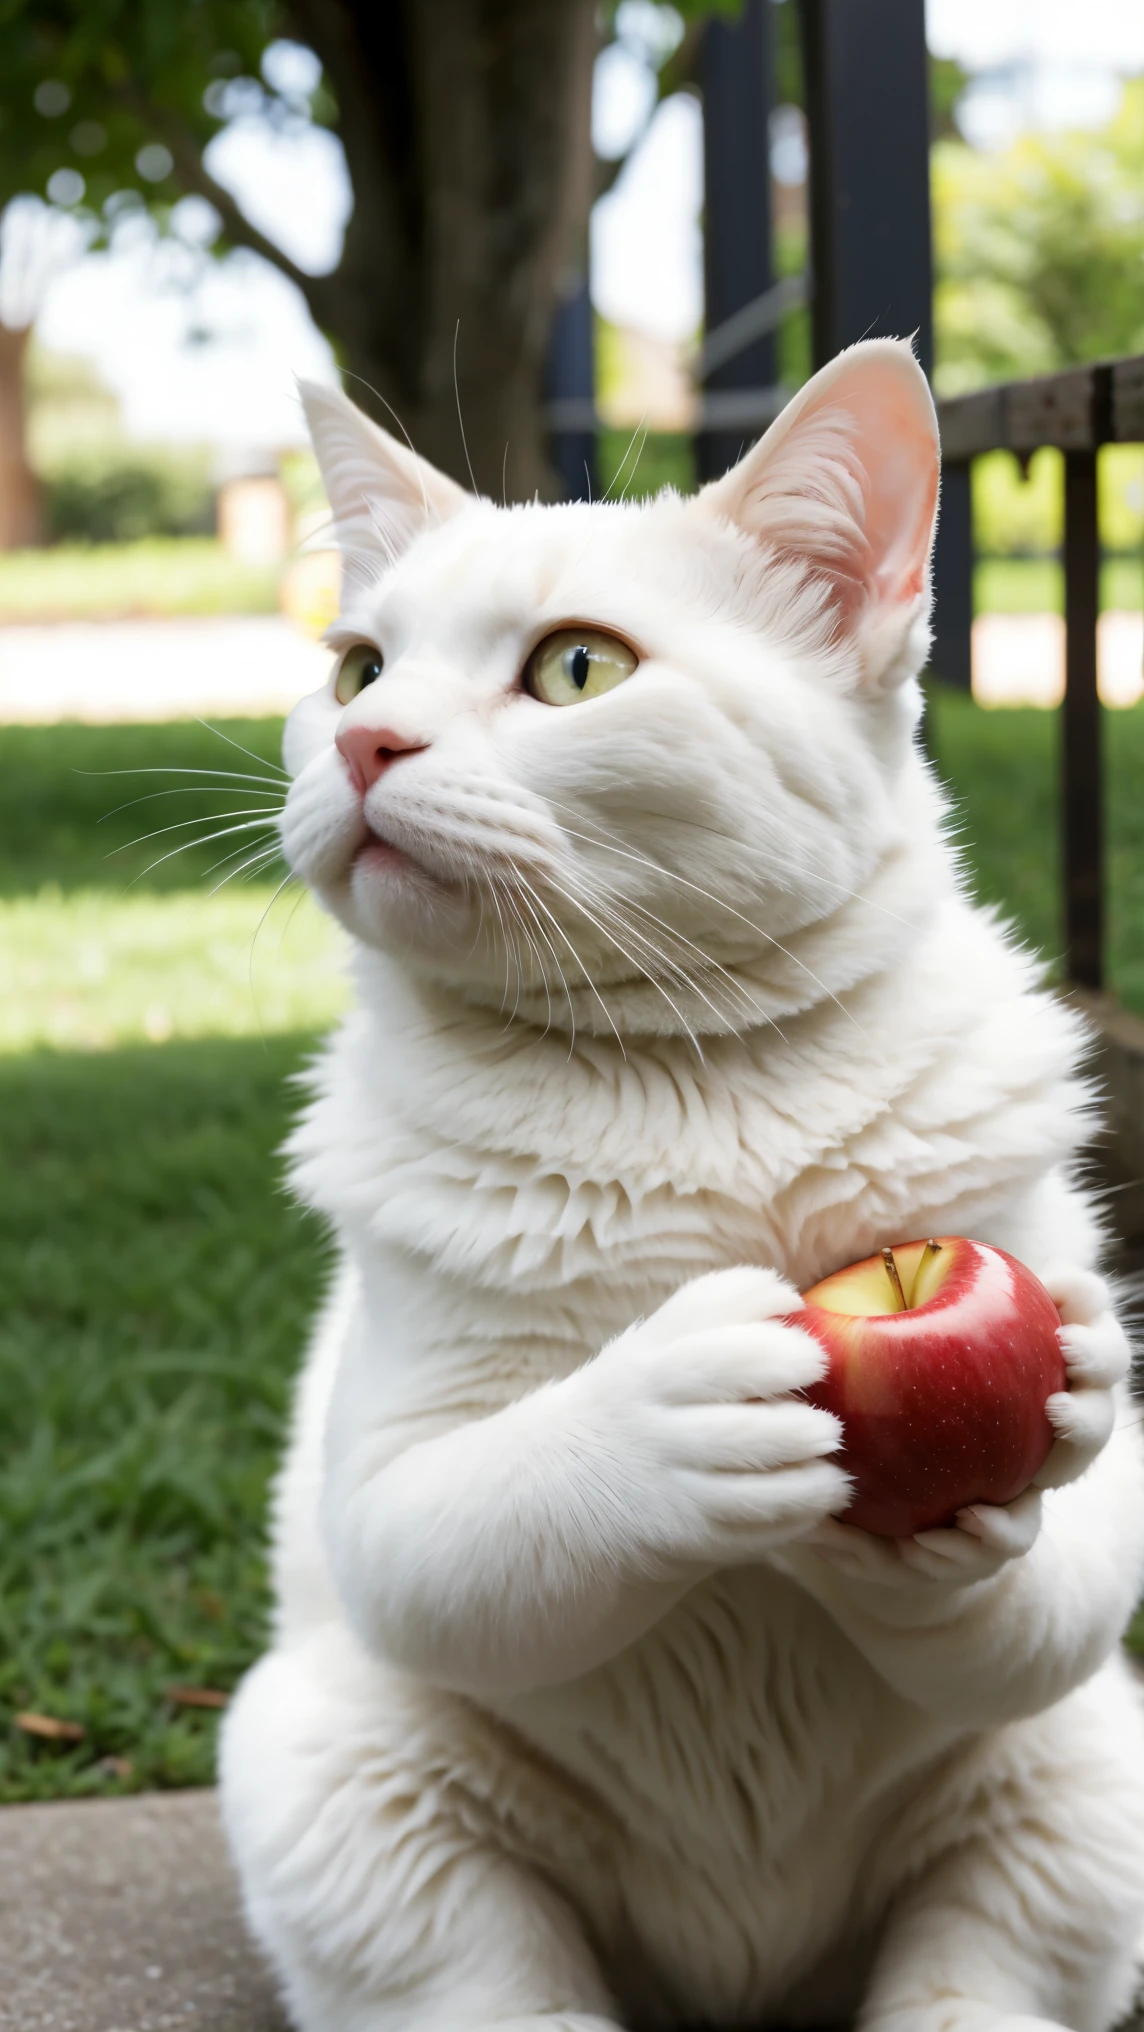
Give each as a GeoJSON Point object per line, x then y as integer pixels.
{"type": "Point", "coordinates": [112, 671]}
{"type": "Point", "coordinates": [1019, 659]}
{"type": "Point", "coordinates": [121, 1915]}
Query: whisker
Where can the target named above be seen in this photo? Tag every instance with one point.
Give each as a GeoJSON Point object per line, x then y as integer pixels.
{"type": "Point", "coordinates": [540, 963]}
{"type": "Point", "coordinates": [271, 854]}
{"type": "Point", "coordinates": [460, 418]}
{"type": "Point", "coordinates": [294, 909]}
{"type": "Point", "coordinates": [657, 867]}
{"type": "Point", "coordinates": [285, 882]}
{"type": "Point", "coordinates": [630, 481]}
{"type": "Point", "coordinates": [768, 857]}
{"type": "Point", "coordinates": [248, 811]}
{"type": "Point", "coordinates": [580, 905]}
{"type": "Point", "coordinates": [683, 974]}
{"type": "Point", "coordinates": [262, 858]}
{"type": "Point", "coordinates": [170, 769]}
{"type": "Point", "coordinates": [283, 773]}
{"type": "Point", "coordinates": [579, 962]}
{"type": "Point", "coordinates": [250, 826]}
{"type": "Point", "coordinates": [560, 971]}
{"type": "Point", "coordinates": [514, 907]}
{"type": "Point", "coordinates": [537, 903]}
{"type": "Point", "coordinates": [623, 462]}
{"type": "Point", "coordinates": [706, 958]}
{"type": "Point", "coordinates": [495, 901]}
{"type": "Point", "coordinates": [349, 375]}
{"type": "Point", "coordinates": [191, 790]}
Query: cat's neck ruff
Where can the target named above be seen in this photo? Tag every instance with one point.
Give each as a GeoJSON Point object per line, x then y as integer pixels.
{"type": "Point", "coordinates": [514, 1156]}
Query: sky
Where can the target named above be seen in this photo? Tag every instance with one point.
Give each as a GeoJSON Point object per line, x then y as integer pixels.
{"type": "Point", "coordinates": [201, 350]}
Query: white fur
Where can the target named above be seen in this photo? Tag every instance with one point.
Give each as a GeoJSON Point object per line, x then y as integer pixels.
{"type": "Point", "coordinates": [582, 1708]}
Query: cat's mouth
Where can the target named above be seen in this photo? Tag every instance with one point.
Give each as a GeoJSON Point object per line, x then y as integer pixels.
{"type": "Point", "coordinates": [377, 857]}
{"type": "Point", "coordinates": [376, 853]}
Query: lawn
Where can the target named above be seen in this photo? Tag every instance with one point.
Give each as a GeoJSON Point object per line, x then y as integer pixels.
{"type": "Point", "coordinates": [1036, 585]}
{"type": "Point", "coordinates": [157, 1282]}
{"type": "Point", "coordinates": [113, 925]}
{"type": "Point", "coordinates": [154, 575]}
{"type": "Point", "coordinates": [1002, 768]}
{"type": "Point", "coordinates": [156, 1286]}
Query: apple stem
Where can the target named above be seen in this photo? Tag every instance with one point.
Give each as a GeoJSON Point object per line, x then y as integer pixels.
{"type": "Point", "coordinates": [932, 1248]}
{"type": "Point", "coordinates": [892, 1274]}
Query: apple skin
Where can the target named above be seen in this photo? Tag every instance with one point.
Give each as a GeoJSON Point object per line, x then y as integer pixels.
{"type": "Point", "coordinates": [942, 1404]}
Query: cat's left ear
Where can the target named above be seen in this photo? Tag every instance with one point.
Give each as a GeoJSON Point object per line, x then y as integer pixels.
{"type": "Point", "coordinates": [846, 482]}
{"type": "Point", "coordinates": [383, 494]}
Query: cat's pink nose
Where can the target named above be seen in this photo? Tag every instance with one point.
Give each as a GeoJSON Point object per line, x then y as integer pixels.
{"type": "Point", "coordinates": [368, 751]}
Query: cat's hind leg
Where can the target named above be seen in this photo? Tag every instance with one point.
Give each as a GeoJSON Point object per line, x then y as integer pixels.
{"type": "Point", "coordinates": [371, 1870]}
{"type": "Point", "coordinates": [1031, 1919]}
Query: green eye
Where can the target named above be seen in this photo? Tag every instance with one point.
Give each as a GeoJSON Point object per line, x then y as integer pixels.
{"type": "Point", "coordinates": [360, 666]}
{"type": "Point", "coordinates": [575, 664]}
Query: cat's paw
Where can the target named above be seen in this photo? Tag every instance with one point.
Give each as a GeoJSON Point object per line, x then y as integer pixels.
{"type": "Point", "coordinates": [724, 1458]}
{"type": "Point", "coordinates": [984, 1539]}
{"type": "Point", "coordinates": [1097, 1358]}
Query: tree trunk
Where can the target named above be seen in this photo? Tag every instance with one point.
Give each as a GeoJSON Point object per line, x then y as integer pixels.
{"type": "Point", "coordinates": [20, 521]}
{"type": "Point", "coordinates": [466, 126]}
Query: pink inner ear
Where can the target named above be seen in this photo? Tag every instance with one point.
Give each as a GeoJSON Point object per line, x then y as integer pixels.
{"type": "Point", "coordinates": [847, 479]}
{"type": "Point", "coordinates": [895, 441]}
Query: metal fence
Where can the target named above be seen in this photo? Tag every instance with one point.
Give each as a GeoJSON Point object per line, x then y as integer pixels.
{"type": "Point", "coordinates": [1077, 411]}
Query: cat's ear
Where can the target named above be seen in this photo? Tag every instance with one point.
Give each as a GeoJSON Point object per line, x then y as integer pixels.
{"type": "Point", "coordinates": [846, 482]}
{"type": "Point", "coordinates": [383, 495]}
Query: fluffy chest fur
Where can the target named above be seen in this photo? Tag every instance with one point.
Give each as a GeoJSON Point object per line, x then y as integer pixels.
{"type": "Point", "coordinates": [751, 1768]}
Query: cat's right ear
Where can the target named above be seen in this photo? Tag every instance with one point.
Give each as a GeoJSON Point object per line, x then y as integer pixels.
{"type": "Point", "coordinates": [383, 495]}
{"type": "Point", "coordinates": [845, 484]}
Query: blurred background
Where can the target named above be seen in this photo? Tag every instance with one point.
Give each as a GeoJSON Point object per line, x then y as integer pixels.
{"type": "Point", "coordinates": [611, 238]}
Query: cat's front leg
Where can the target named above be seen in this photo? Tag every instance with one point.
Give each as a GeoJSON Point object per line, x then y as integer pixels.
{"type": "Point", "coordinates": [1012, 1606]}
{"type": "Point", "coordinates": [525, 1548]}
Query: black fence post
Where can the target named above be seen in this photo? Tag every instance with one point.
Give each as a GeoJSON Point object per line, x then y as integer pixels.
{"type": "Point", "coordinates": [570, 385]}
{"type": "Point", "coordinates": [737, 94]}
{"type": "Point", "coordinates": [868, 113]}
{"type": "Point", "coordinates": [867, 86]}
{"type": "Point", "coordinates": [1081, 758]}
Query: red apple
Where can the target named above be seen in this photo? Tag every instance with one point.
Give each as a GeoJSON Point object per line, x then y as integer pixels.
{"type": "Point", "coordinates": [942, 1354]}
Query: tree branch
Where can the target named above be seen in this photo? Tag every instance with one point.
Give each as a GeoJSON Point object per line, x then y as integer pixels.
{"type": "Point", "coordinates": [320, 291]}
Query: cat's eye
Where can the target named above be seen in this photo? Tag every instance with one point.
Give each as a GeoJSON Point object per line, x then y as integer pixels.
{"type": "Point", "coordinates": [577, 663]}
{"type": "Point", "coordinates": [360, 666]}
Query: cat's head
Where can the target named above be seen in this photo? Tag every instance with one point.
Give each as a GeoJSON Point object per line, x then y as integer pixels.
{"type": "Point", "coordinates": [627, 765]}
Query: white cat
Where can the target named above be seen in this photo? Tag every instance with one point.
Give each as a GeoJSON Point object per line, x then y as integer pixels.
{"type": "Point", "coordinates": [581, 1709]}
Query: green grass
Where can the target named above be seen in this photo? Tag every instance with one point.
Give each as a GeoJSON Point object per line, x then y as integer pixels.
{"type": "Point", "coordinates": [108, 581]}
{"type": "Point", "coordinates": [157, 1282]}
{"type": "Point", "coordinates": [1003, 767]}
{"type": "Point", "coordinates": [635, 464]}
{"type": "Point", "coordinates": [156, 1286]}
{"type": "Point", "coordinates": [90, 970]}
{"type": "Point", "coordinates": [1036, 585]}
{"type": "Point", "coordinates": [109, 937]}
{"type": "Point", "coordinates": [75, 801]}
